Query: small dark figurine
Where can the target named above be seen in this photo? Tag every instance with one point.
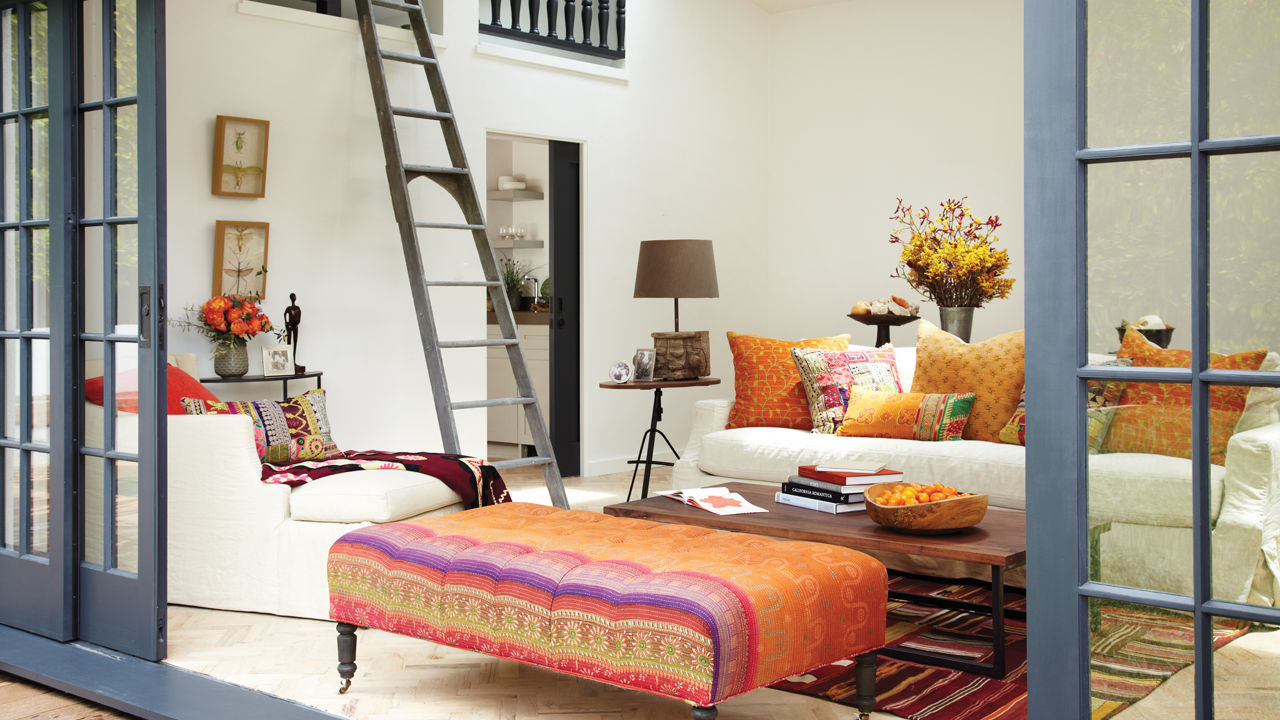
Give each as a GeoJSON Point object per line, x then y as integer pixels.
{"type": "Point", "coordinates": [292, 319]}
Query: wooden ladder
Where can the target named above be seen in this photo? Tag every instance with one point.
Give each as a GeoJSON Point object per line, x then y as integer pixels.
{"type": "Point", "coordinates": [458, 181]}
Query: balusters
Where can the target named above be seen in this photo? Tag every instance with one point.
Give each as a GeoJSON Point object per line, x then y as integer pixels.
{"type": "Point", "coordinates": [603, 14]}
{"type": "Point", "coordinates": [622, 25]}
{"type": "Point", "coordinates": [496, 5]}
{"type": "Point", "coordinates": [515, 14]}
{"type": "Point", "coordinates": [586, 22]}
{"type": "Point", "coordinates": [534, 7]}
{"type": "Point", "coordinates": [569, 20]}
{"type": "Point", "coordinates": [553, 6]}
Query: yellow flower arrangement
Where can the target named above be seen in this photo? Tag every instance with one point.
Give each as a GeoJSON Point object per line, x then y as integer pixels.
{"type": "Point", "coordinates": [951, 259]}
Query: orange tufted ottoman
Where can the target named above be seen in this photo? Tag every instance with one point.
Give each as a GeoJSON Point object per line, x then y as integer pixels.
{"type": "Point", "coordinates": [680, 611]}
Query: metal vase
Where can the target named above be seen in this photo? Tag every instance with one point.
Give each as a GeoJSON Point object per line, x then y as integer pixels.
{"type": "Point", "coordinates": [957, 320]}
{"type": "Point", "coordinates": [232, 362]}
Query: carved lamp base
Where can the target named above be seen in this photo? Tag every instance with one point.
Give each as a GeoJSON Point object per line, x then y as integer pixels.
{"type": "Point", "coordinates": [681, 355]}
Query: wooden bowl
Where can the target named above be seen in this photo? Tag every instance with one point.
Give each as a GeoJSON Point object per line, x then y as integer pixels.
{"type": "Point", "coordinates": [933, 518]}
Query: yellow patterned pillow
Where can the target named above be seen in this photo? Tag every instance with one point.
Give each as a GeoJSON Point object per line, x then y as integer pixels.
{"type": "Point", "coordinates": [992, 370]}
{"type": "Point", "coordinates": [766, 384]}
{"type": "Point", "coordinates": [905, 416]}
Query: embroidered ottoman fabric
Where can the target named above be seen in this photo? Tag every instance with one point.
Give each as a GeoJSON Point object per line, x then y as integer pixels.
{"type": "Point", "coordinates": [680, 611]}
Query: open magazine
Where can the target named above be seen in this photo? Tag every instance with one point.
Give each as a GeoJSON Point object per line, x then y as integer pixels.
{"type": "Point", "coordinates": [716, 500]}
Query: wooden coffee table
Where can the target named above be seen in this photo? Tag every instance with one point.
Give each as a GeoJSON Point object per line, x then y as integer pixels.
{"type": "Point", "coordinates": [999, 541]}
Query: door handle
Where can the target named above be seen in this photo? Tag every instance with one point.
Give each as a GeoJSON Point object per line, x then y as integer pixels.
{"type": "Point", "coordinates": [559, 312]}
{"type": "Point", "coordinates": [144, 316]}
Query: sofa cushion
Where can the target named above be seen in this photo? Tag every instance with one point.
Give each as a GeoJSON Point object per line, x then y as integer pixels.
{"type": "Point", "coordinates": [376, 496]}
{"type": "Point", "coordinates": [766, 384]}
{"type": "Point", "coordinates": [1147, 490]}
{"type": "Point", "coordinates": [285, 432]}
{"type": "Point", "coordinates": [992, 370]}
{"type": "Point", "coordinates": [827, 376]}
{"type": "Point", "coordinates": [177, 386]}
{"type": "Point", "coordinates": [773, 454]}
{"type": "Point", "coordinates": [906, 416]}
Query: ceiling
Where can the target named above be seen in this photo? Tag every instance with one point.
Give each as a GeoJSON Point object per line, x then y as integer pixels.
{"type": "Point", "coordinates": [775, 6]}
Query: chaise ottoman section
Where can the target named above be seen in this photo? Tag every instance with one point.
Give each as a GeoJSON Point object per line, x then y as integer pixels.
{"type": "Point", "coordinates": [680, 611]}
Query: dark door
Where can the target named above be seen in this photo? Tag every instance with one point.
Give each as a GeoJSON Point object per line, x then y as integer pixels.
{"type": "Point", "coordinates": [566, 305]}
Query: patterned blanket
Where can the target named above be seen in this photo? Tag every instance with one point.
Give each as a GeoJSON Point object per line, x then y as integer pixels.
{"type": "Point", "coordinates": [476, 481]}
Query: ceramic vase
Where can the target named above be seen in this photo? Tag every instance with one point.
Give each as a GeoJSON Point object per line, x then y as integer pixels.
{"type": "Point", "coordinates": [232, 362]}
{"type": "Point", "coordinates": [957, 320]}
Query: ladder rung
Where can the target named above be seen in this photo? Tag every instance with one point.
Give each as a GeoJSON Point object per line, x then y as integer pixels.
{"type": "Point", "coordinates": [448, 226]}
{"type": "Point", "coordinates": [498, 402]}
{"type": "Point", "coordinates": [522, 462]}
{"type": "Point", "coordinates": [433, 170]}
{"type": "Point", "coordinates": [407, 7]}
{"type": "Point", "coordinates": [422, 114]}
{"type": "Point", "coordinates": [478, 343]}
{"type": "Point", "coordinates": [464, 283]}
{"type": "Point", "coordinates": [407, 58]}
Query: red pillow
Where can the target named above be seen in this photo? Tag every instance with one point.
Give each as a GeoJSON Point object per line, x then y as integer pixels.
{"type": "Point", "coordinates": [180, 385]}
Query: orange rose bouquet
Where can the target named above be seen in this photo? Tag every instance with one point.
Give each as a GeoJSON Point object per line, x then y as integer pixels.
{"type": "Point", "coordinates": [228, 320]}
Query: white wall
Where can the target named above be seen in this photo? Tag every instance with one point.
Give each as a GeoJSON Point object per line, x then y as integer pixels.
{"type": "Point", "coordinates": [869, 101]}
{"type": "Point", "coordinates": [674, 151]}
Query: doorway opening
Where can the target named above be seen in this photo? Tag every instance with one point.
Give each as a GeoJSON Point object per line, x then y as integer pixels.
{"type": "Point", "coordinates": [533, 209]}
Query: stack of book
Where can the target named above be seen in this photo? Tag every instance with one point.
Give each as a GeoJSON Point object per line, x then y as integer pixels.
{"type": "Point", "coordinates": [834, 489]}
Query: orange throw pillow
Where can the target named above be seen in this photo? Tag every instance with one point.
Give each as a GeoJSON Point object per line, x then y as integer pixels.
{"type": "Point", "coordinates": [905, 416]}
{"type": "Point", "coordinates": [992, 370]}
{"type": "Point", "coordinates": [1156, 417]}
{"type": "Point", "coordinates": [767, 385]}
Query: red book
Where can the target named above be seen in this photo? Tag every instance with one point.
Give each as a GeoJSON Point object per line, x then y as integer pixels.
{"type": "Point", "coordinates": [849, 477]}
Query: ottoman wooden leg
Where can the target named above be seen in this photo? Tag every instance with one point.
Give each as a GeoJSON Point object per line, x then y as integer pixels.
{"type": "Point", "coordinates": [346, 655]}
{"type": "Point", "coordinates": [704, 713]}
{"type": "Point", "coordinates": [865, 681]}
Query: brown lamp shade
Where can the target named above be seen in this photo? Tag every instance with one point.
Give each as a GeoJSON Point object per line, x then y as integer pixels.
{"type": "Point", "coordinates": [676, 269]}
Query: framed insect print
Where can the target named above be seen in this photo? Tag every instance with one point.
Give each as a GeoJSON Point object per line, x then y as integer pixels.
{"type": "Point", "coordinates": [240, 157]}
{"type": "Point", "coordinates": [240, 258]}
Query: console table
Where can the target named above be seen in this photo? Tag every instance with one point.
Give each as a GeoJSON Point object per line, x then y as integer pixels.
{"type": "Point", "coordinates": [282, 379]}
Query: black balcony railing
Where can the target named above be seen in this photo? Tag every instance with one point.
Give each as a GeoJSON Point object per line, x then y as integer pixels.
{"type": "Point", "coordinates": [595, 28]}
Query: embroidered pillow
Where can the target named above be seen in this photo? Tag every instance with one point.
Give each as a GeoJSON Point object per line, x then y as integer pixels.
{"type": "Point", "coordinates": [1103, 397]}
{"type": "Point", "coordinates": [285, 432]}
{"type": "Point", "coordinates": [992, 370]}
{"type": "Point", "coordinates": [827, 376]}
{"type": "Point", "coordinates": [905, 416]}
{"type": "Point", "coordinates": [1164, 428]}
{"type": "Point", "coordinates": [766, 384]}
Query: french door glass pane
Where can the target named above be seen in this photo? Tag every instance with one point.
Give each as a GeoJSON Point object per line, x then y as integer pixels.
{"type": "Point", "coordinates": [1244, 53]}
{"type": "Point", "coordinates": [126, 160]}
{"type": "Point", "coordinates": [40, 406]}
{"type": "Point", "coordinates": [12, 389]}
{"type": "Point", "coordinates": [9, 133]}
{"type": "Point", "coordinates": [1140, 485]}
{"type": "Point", "coordinates": [1133, 651]}
{"type": "Point", "coordinates": [126, 385]}
{"type": "Point", "coordinates": [41, 293]}
{"type": "Point", "coordinates": [94, 366]}
{"type": "Point", "coordinates": [1245, 671]}
{"type": "Point", "coordinates": [9, 79]}
{"type": "Point", "coordinates": [94, 548]}
{"type": "Point", "coordinates": [9, 240]}
{"type": "Point", "coordinates": [39, 167]}
{"type": "Point", "coordinates": [1245, 566]}
{"type": "Point", "coordinates": [126, 23]}
{"type": "Point", "coordinates": [1138, 72]}
{"type": "Point", "coordinates": [39, 55]}
{"type": "Point", "coordinates": [39, 515]}
{"type": "Point", "coordinates": [94, 176]}
{"type": "Point", "coordinates": [1244, 251]}
{"type": "Point", "coordinates": [10, 521]}
{"type": "Point", "coordinates": [127, 516]}
{"type": "Point", "coordinates": [127, 279]}
{"type": "Point", "coordinates": [91, 34]}
{"type": "Point", "coordinates": [1139, 248]}
{"type": "Point", "coordinates": [93, 313]}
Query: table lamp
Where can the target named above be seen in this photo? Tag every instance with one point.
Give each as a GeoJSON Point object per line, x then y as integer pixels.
{"type": "Point", "coordinates": [676, 269]}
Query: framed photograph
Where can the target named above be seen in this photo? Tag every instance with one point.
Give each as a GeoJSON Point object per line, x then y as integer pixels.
{"type": "Point", "coordinates": [620, 372]}
{"type": "Point", "coordinates": [644, 364]}
{"type": "Point", "coordinates": [277, 360]}
{"type": "Point", "coordinates": [240, 157]}
{"type": "Point", "coordinates": [240, 258]}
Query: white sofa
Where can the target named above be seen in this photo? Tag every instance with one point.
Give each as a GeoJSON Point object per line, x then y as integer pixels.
{"type": "Point", "coordinates": [1145, 498]}
{"type": "Point", "coordinates": [236, 543]}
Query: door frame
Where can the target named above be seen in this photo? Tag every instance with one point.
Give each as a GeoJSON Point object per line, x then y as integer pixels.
{"type": "Point", "coordinates": [1056, 161]}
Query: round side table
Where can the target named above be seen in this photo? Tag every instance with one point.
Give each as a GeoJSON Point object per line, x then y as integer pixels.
{"type": "Point", "coordinates": [650, 437]}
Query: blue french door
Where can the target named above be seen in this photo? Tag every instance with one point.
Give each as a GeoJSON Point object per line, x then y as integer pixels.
{"type": "Point", "coordinates": [83, 361]}
{"type": "Point", "coordinates": [1152, 186]}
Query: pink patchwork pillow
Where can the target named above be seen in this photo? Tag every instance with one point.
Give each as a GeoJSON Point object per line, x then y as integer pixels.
{"type": "Point", "coordinates": [285, 432]}
{"type": "Point", "coordinates": [827, 376]}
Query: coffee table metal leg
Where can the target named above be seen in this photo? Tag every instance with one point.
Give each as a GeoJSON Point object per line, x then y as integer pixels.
{"type": "Point", "coordinates": [997, 621]}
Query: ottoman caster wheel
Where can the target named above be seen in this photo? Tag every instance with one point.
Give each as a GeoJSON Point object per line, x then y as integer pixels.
{"type": "Point", "coordinates": [343, 686]}
{"type": "Point", "coordinates": [704, 713]}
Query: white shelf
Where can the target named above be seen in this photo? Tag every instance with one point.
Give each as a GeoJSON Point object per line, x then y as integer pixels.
{"type": "Point", "coordinates": [519, 245]}
{"type": "Point", "coordinates": [515, 195]}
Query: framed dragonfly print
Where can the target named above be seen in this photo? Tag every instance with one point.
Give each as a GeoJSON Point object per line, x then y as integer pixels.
{"type": "Point", "coordinates": [240, 157]}
{"type": "Point", "coordinates": [240, 258]}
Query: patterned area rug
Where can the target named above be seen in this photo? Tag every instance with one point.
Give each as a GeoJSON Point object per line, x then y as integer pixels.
{"type": "Point", "coordinates": [1134, 651]}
